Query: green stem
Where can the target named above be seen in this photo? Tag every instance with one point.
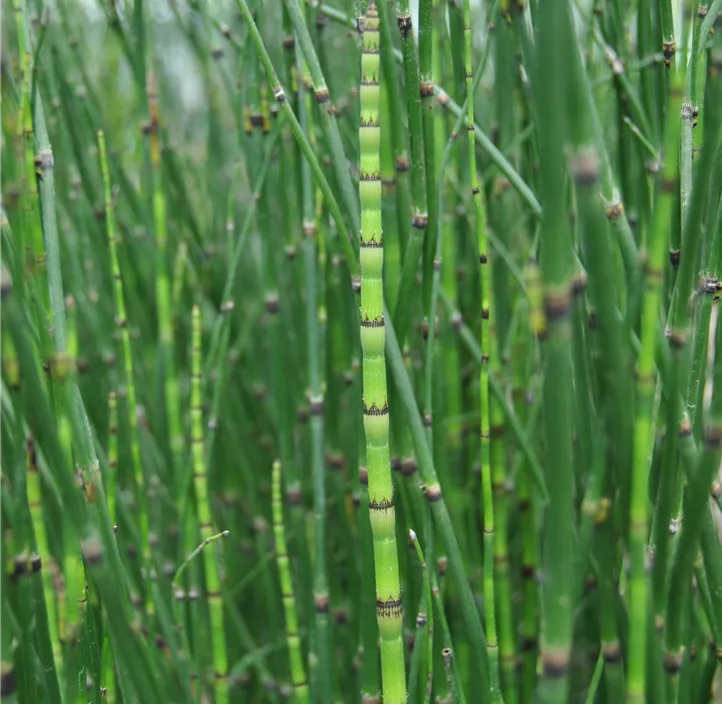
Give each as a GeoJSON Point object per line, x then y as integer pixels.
{"type": "Point", "coordinates": [375, 398]}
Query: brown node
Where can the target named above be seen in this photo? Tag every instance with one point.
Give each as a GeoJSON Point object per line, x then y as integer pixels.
{"type": "Point", "coordinates": [93, 551]}
{"type": "Point", "coordinates": [555, 665]}
{"type": "Point", "coordinates": [674, 257]}
{"type": "Point", "coordinates": [528, 644]}
{"type": "Point", "coordinates": [433, 493]}
{"type": "Point", "coordinates": [420, 221]}
{"type": "Point", "coordinates": [316, 405]}
{"type": "Point", "coordinates": [668, 50]}
{"type": "Point", "coordinates": [321, 603]}
{"type": "Point", "coordinates": [713, 436]}
{"type": "Point", "coordinates": [672, 663]}
{"type": "Point", "coordinates": [614, 210]}
{"type": "Point", "coordinates": [556, 304]}
{"type": "Point", "coordinates": [273, 304]}
{"type": "Point", "coordinates": [579, 283]}
{"type": "Point", "coordinates": [404, 24]}
{"type": "Point", "coordinates": [612, 653]}
{"type": "Point", "coordinates": [335, 461]}
{"type": "Point", "coordinates": [340, 616]}
{"type": "Point", "coordinates": [408, 466]}
{"type": "Point", "coordinates": [585, 168]}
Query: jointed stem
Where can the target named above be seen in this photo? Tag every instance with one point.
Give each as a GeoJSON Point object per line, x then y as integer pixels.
{"type": "Point", "coordinates": [375, 398]}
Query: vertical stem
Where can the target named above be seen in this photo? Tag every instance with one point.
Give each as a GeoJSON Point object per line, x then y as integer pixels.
{"type": "Point", "coordinates": [656, 243]}
{"type": "Point", "coordinates": [293, 640]}
{"type": "Point", "coordinates": [420, 217]}
{"type": "Point", "coordinates": [205, 521]}
{"type": "Point", "coordinates": [492, 643]}
{"type": "Point", "coordinates": [375, 399]}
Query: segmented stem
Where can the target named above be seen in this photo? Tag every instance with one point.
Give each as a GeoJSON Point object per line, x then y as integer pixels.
{"type": "Point", "coordinates": [293, 640]}
{"type": "Point", "coordinates": [492, 644]}
{"type": "Point", "coordinates": [121, 322]}
{"type": "Point", "coordinates": [643, 427]}
{"type": "Point", "coordinates": [205, 521]}
{"type": "Point", "coordinates": [162, 283]}
{"type": "Point", "coordinates": [49, 568]}
{"type": "Point", "coordinates": [375, 400]}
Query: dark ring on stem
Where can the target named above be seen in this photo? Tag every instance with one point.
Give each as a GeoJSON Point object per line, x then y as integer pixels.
{"type": "Point", "coordinates": [374, 410]}
{"type": "Point", "coordinates": [382, 505]}
{"type": "Point", "coordinates": [555, 666]}
{"type": "Point", "coordinates": [713, 437]}
{"type": "Point", "coordinates": [433, 493]}
{"type": "Point", "coordinates": [426, 89]}
{"type": "Point", "coordinates": [316, 405]}
{"type": "Point", "coordinates": [672, 663]}
{"type": "Point", "coordinates": [7, 681]}
{"type": "Point", "coordinates": [320, 603]}
{"type": "Point", "coordinates": [408, 466]}
{"type": "Point", "coordinates": [612, 653]}
{"type": "Point", "coordinates": [391, 608]}
{"type": "Point", "coordinates": [556, 305]}
{"type": "Point", "coordinates": [404, 24]}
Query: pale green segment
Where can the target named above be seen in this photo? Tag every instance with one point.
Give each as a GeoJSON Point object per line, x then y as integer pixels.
{"type": "Point", "coordinates": [295, 655]}
{"type": "Point", "coordinates": [218, 643]}
{"type": "Point", "coordinates": [376, 412]}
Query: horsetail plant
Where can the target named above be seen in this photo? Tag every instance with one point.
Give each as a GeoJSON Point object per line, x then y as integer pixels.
{"type": "Point", "coordinates": [121, 322]}
{"type": "Point", "coordinates": [375, 395]}
{"type": "Point", "coordinates": [293, 640]}
{"type": "Point", "coordinates": [151, 197]}
{"type": "Point", "coordinates": [487, 352]}
{"type": "Point", "coordinates": [205, 521]}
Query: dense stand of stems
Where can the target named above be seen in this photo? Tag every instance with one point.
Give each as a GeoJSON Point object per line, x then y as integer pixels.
{"type": "Point", "coordinates": [590, 365]}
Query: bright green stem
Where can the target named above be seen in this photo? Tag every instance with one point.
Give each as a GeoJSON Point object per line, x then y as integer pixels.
{"type": "Point", "coordinates": [420, 215]}
{"type": "Point", "coordinates": [293, 640]}
{"type": "Point", "coordinates": [656, 245]}
{"type": "Point", "coordinates": [375, 399]}
{"type": "Point", "coordinates": [162, 286]}
{"type": "Point", "coordinates": [49, 568]}
{"type": "Point", "coordinates": [492, 643]}
{"type": "Point", "coordinates": [205, 520]}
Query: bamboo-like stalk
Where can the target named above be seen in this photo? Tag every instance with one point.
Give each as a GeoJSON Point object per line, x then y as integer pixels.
{"type": "Point", "coordinates": [657, 240]}
{"type": "Point", "coordinates": [112, 455]}
{"type": "Point", "coordinates": [492, 642]}
{"type": "Point", "coordinates": [328, 120]}
{"type": "Point", "coordinates": [552, 46]}
{"type": "Point", "coordinates": [420, 213]}
{"type": "Point", "coordinates": [315, 345]}
{"type": "Point", "coordinates": [205, 520]}
{"type": "Point", "coordinates": [49, 567]}
{"type": "Point", "coordinates": [428, 617]}
{"type": "Point", "coordinates": [163, 291]}
{"type": "Point", "coordinates": [121, 322]}
{"type": "Point", "coordinates": [293, 640]}
{"type": "Point", "coordinates": [375, 398]}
